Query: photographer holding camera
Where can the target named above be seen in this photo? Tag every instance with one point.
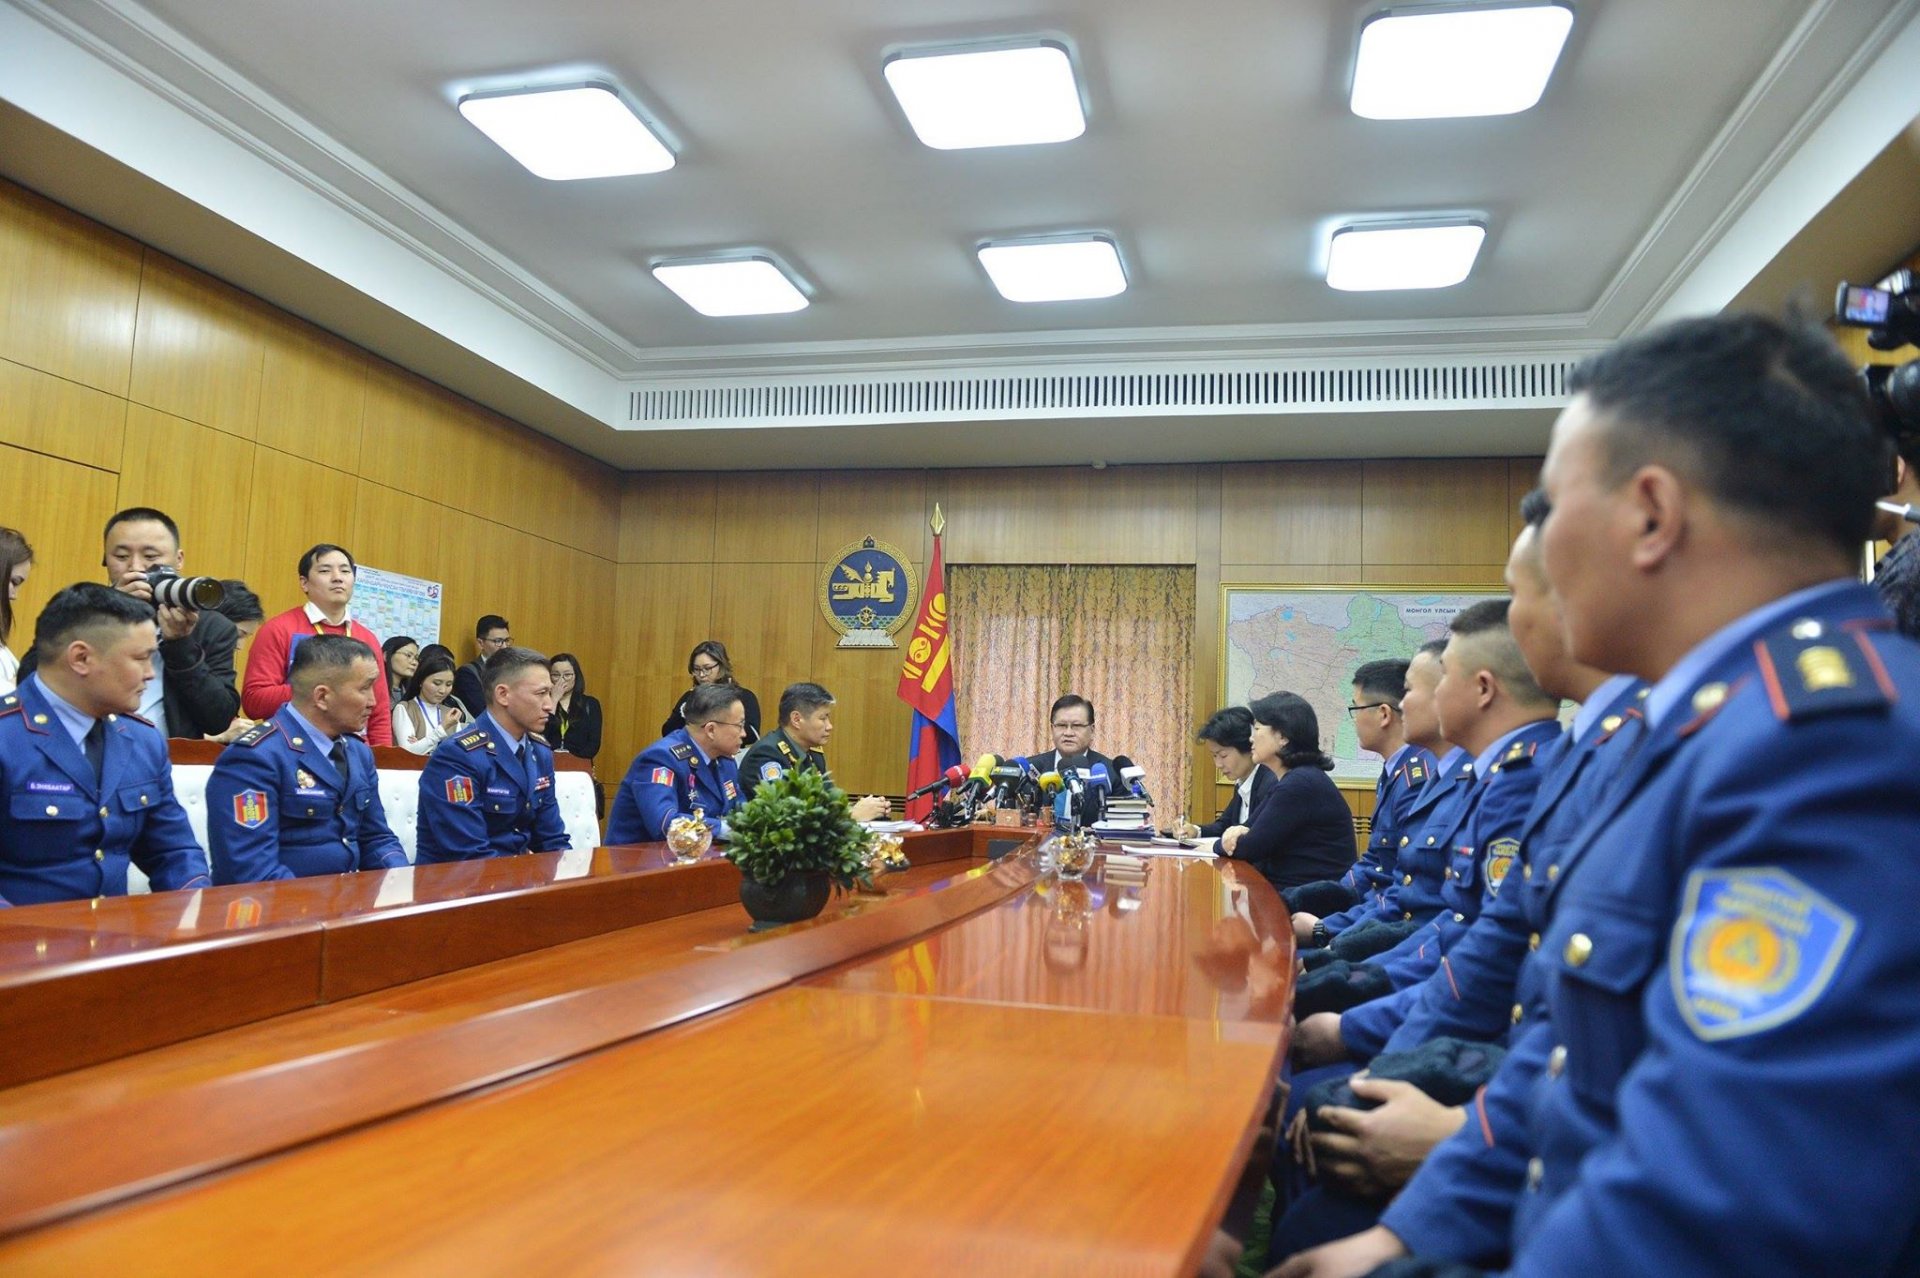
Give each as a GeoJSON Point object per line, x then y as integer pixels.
{"type": "Point", "coordinates": [1891, 315]}
{"type": "Point", "coordinates": [193, 691]}
{"type": "Point", "coordinates": [1896, 578]}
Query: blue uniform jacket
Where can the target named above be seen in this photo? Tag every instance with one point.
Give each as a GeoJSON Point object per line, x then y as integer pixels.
{"type": "Point", "coordinates": [1473, 994]}
{"type": "Point", "coordinates": [65, 836]}
{"type": "Point", "coordinates": [1421, 857]}
{"type": "Point", "coordinates": [277, 808]}
{"type": "Point", "coordinates": [1732, 1020]}
{"type": "Point", "coordinates": [1483, 849]}
{"type": "Point", "coordinates": [476, 799]}
{"type": "Point", "coordinates": [1398, 786]}
{"type": "Point", "coordinates": [668, 779]}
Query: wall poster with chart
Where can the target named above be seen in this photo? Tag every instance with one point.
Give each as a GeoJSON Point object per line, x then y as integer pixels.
{"type": "Point", "coordinates": [390, 603]}
{"type": "Point", "coordinates": [1310, 640]}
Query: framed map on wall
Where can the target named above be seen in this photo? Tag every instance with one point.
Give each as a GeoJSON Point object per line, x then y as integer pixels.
{"type": "Point", "coordinates": [1310, 640]}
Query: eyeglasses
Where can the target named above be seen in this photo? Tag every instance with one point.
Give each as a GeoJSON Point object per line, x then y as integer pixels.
{"type": "Point", "coordinates": [704, 669]}
{"type": "Point", "coordinates": [1071, 727]}
{"type": "Point", "coordinates": [722, 723]}
{"type": "Point", "coordinates": [1371, 705]}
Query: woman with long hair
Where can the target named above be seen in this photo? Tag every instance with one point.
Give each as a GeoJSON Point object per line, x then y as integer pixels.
{"type": "Point", "coordinates": [708, 663]}
{"type": "Point", "coordinates": [574, 726]}
{"type": "Point", "coordinates": [16, 561]}
{"type": "Point", "coordinates": [403, 655]}
{"type": "Point", "coordinates": [426, 712]}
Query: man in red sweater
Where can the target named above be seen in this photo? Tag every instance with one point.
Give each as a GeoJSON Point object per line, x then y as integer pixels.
{"type": "Point", "coordinates": [326, 578]}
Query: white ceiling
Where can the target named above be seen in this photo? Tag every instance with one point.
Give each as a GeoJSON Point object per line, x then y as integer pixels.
{"type": "Point", "coordinates": [317, 159]}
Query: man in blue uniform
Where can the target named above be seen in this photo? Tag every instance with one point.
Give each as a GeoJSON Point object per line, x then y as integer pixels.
{"type": "Point", "coordinates": [1734, 1024]}
{"type": "Point", "coordinates": [489, 791]}
{"type": "Point", "coordinates": [690, 769]}
{"type": "Point", "coordinates": [297, 795]}
{"type": "Point", "coordinates": [86, 783]}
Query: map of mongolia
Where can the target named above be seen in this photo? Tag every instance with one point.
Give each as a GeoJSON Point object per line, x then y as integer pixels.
{"type": "Point", "coordinates": [1310, 641]}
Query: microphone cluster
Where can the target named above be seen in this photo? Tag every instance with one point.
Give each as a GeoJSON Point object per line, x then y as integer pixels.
{"type": "Point", "coordinates": [1079, 795]}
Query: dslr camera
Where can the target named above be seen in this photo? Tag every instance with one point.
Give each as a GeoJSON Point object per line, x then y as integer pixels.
{"type": "Point", "coordinates": [1890, 312]}
{"type": "Point", "coordinates": [171, 590]}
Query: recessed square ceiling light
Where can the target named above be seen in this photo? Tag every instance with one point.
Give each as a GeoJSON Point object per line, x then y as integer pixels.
{"type": "Point", "coordinates": [732, 286]}
{"type": "Point", "coordinates": [1055, 270]}
{"type": "Point", "coordinates": [988, 97]}
{"type": "Point", "coordinates": [579, 131]}
{"type": "Point", "coordinates": [1426, 64]}
{"type": "Point", "coordinates": [1365, 258]}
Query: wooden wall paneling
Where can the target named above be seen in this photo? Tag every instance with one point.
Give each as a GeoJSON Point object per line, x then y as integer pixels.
{"type": "Point", "coordinates": [297, 505]}
{"type": "Point", "coordinates": [583, 600]}
{"type": "Point", "coordinates": [1306, 512]}
{"type": "Point", "coordinates": [313, 395]}
{"type": "Point", "coordinates": [868, 752]}
{"type": "Point", "coordinates": [1523, 473]}
{"type": "Point", "coordinates": [197, 348]}
{"type": "Point", "coordinates": [627, 727]}
{"type": "Point", "coordinates": [1487, 575]}
{"type": "Point", "coordinates": [670, 518]}
{"type": "Point", "coordinates": [59, 507]}
{"type": "Point", "coordinates": [200, 476]}
{"type": "Point", "coordinates": [402, 533]}
{"type": "Point", "coordinates": [661, 611]}
{"type": "Point", "coordinates": [48, 414]}
{"type": "Point", "coordinates": [888, 506]}
{"type": "Point", "coordinates": [410, 440]}
{"type": "Point", "coordinates": [69, 290]}
{"type": "Point", "coordinates": [764, 613]}
{"type": "Point", "coordinates": [1288, 575]}
{"type": "Point", "coordinates": [1426, 512]}
{"type": "Point", "coordinates": [1121, 515]}
{"type": "Point", "coordinates": [469, 551]}
{"type": "Point", "coordinates": [766, 518]}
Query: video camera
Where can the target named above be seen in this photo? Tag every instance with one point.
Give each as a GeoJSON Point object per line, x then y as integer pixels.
{"type": "Point", "coordinates": [1890, 313]}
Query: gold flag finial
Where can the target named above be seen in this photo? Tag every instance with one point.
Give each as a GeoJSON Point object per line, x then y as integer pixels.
{"type": "Point", "coordinates": [939, 521]}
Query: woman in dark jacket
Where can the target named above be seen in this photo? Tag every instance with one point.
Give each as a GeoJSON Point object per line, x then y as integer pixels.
{"type": "Point", "coordinates": [1228, 735]}
{"type": "Point", "coordinates": [1302, 830]}
{"type": "Point", "coordinates": [708, 664]}
{"type": "Point", "coordinates": [574, 725]}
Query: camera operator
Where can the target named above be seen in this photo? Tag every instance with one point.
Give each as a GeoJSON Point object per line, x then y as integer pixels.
{"type": "Point", "coordinates": [1897, 576]}
{"type": "Point", "coordinates": [193, 691]}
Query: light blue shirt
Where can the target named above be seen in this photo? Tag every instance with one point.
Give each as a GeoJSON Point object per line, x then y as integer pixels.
{"type": "Point", "coordinates": [1484, 761]}
{"type": "Point", "coordinates": [513, 743]}
{"type": "Point", "coordinates": [77, 723]}
{"type": "Point", "coordinates": [306, 725]}
{"type": "Point", "coordinates": [1603, 696]}
{"type": "Point", "coordinates": [1708, 652]}
{"type": "Point", "coordinates": [153, 700]}
{"type": "Point", "coordinates": [1448, 762]}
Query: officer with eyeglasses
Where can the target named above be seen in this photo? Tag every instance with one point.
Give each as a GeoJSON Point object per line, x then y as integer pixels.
{"type": "Point", "coordinates": [691, 768]}
{"type": "Point", "coordinates": [1072, 721]}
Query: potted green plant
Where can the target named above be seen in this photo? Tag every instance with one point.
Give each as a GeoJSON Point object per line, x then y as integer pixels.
{"type": "Point", "coordinates": [795, 841]}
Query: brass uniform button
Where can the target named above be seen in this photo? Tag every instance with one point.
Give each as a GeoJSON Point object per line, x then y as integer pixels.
{"type": "Point", "coordinates": [1536, 1172]}
{"type": "Point", "coordinates": [1553, 872]}
{"type": "Point", "coordinates": [1403, 840]}
{"type": "Point", "coordinates": [1518, 1013]}
{"type": "Point", "coordinates": [1557, 1061]}
{"type": "Point", "coordinates": [1579, 950]}
{"type": "Point", "coordinates": [1610, 723]}
{"type": "Point", "coordinates": [1407, 879]}
{"type": "Point", "coordinates": [103, 812]}
{"type": "Point", "coordinates": [1407, 917]}
{"type": "Point", "coordinates": [1533, 941]}
{"type": "Point", "coordinates": [1459, 918]}
{"type": "Point", "coordinates": [1526, 871]}
{"type": "Point", "coordinates": [99, 854]}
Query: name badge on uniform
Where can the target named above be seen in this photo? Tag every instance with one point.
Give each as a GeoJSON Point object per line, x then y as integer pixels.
{"type": "Point", "coordinates": [1753, 949]}
{"type": "Point", "coordinates": [460, 790]}
{"type": "Point", "coordinates": [51, 787]}
{"type": "Point", "coordinates": [250, 809]}
{"type": "Point", "coordinates": [500, 789]}
{"type": "Point", "coordinates": [662, 776]}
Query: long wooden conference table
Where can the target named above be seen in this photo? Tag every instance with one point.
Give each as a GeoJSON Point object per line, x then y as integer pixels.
{"type": "Point", "coordinates": [584, 1063]}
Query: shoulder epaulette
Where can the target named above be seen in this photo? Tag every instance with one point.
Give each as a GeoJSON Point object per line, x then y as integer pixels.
{"type": "Point", "coordinates": [1415, 772]}
{"type": "Point", "coordinates": [1518, 755]}
{"type": "Point", "coordinates": [1611, 725]}
{"type": "Point", "coordinates": [473, 740]}
{"type": "Point", "coordinates": [10, 704]}
{"type": "Point", "coordinates": [681, 751]}
{"type": "Point", "coordinates": [137, 718]}
{"type": "Point", "coordinates": [787, 750]}
{"type": "Point", "coordinates": [257, 733]}
{"type": "Point", "coordinates": [1811, 668]}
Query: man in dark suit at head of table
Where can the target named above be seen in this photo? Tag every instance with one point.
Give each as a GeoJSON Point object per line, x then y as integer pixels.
{"type": "Point", "coordinates": [1072, 725]}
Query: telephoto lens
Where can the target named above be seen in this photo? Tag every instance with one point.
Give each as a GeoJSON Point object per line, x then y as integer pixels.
{"type": "Point", "coordinates": [171, 590]}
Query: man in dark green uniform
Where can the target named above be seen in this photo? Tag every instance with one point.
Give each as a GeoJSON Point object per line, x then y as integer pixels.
{"type": "Point", "coordinates": [806, 721]}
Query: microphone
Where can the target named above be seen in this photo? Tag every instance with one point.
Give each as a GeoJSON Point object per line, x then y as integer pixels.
{"type": "Point", "coordinates": [1908, 513]}
{"type": "Point", "coordinates": [1131, 775]}
{"type": "Point", "coordinates": [982, 776]}
{"type": "Point", "coordinates": [956, 775]}
{"type": "Point", "coordinates": [1099, 786]}
{"type": "Point", "coordinates": [1006, 781]}
{"type": "Point", "coordinates": [1050, 782]}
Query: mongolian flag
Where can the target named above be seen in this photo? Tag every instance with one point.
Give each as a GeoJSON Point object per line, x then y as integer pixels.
{"type": "Point", "coordinates": [926, 684]}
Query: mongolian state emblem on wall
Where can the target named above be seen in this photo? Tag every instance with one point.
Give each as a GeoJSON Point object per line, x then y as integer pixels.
{"type": "Point", "coordinates": [867, 593]}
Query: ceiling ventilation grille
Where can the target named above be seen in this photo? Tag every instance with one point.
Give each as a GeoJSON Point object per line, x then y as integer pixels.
{"type": "Point", "coordinates": [1302, 388]}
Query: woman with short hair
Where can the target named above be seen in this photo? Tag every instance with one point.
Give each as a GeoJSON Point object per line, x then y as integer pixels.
{"type": "Point", "coordinates": [1302, 831]}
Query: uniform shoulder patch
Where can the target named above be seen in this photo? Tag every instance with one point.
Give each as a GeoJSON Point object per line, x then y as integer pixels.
{"type": "Point", "coordinates": [460, 790]}
{"type": "Point", "coordinates": [1416, 773]}
{"type": "Point", "coordinates": [257, 733]}
{"type": "Point", "coordinates": [1501, 854]}
{"type": "Point", "coordinates": [10, 704]}
{"type": "Point", "coordinates": [250, 809]}
{"type": "Point", "coordinates": [1811, 668]}
{"type": "Point", "coordinates": [1753, 949]}
{"type": "Point", "coordinates": [1519, 754]}
{"type": "Point", "coordinates": [681, 751]}
{"type": "Point", "coordinates": [661, 776]}
{"type": "Point", "coordinates": [788, 751]}
{"type": "Point", "coordinates": [473, 740]}
{"type": "Point", "coordinates": [771, 770]}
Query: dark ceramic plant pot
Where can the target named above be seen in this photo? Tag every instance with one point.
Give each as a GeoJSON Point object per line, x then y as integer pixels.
{"type": "Point", "coordinates": [794, 898]}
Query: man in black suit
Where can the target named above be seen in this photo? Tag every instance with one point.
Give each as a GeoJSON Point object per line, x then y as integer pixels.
{"type": "Point", "coordinates": [193, 692]}
{"type": "Point", "coordinates": [1073, 739]}
{"type": "Point", "coordinates": [491, 634]}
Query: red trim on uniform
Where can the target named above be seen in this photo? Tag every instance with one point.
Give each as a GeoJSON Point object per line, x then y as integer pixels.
{"type": "Point", "coordinates": [1772, 679]}
{"type": "Point", "coordinates": [1480, 1108]}
{"type": "Point", "coordinates": [1447, 967]}
{"type": "Point", "coordinates": [1879, 671]}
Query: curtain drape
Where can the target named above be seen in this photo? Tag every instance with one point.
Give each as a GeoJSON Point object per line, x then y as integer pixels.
{"type": "Point", "coordinates": [1122, 637]}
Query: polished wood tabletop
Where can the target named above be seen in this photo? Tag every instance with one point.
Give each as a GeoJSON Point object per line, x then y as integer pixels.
{"type": "Point", "coordinates": [992, 1068]}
